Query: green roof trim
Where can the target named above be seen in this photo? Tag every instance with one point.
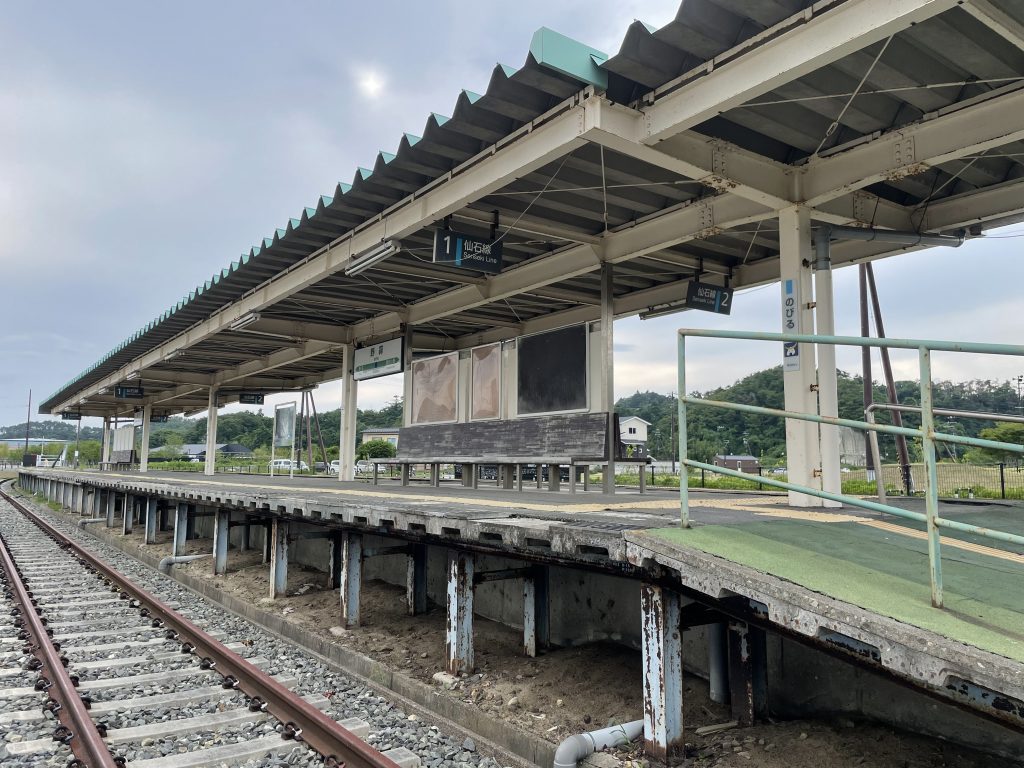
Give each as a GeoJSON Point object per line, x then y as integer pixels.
{"type": "Point", "coordinates": [570, 57]}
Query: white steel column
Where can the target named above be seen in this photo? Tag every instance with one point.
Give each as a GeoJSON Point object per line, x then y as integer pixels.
{"type": "Point", "coordinates": [803, 453]}
{"type": "Point", "coordinates": [211, 434]}
{"type": "Point", "coordinates": [608, 355]}
{"type": "Point", "coordinates": [828, 384]}
{"type": "Point", "coordinates": [147, 414]}
{"type": "Point", "coordinates": [347, 448]}
{"type": "Point", "coordinates": [105, 456]}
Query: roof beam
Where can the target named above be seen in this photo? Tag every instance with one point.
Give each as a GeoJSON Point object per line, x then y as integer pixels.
{"type": "Point", "coordinates": [791, 49]}
{"type": "Point", "coordinates": [984, 123]}
{"type": "Point", "coordinates": [687, 222]}
{"type": "Point", "coordinates": [997, 20]}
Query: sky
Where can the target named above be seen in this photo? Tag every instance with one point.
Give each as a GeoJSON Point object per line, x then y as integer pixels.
{"type": "Point", "coordinates": [145, 146]}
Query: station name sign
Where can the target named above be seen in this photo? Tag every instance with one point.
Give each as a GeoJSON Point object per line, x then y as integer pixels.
{"type": "Point", "coordinates": [70, 416]}
{"type": "Point", "coordinates": [381, 359]}
{"type": "Point", "coordinates": [250, 398]}
{"type": "Point", "coordinates": [710, 298]}
{"type": "Point", "coordinates": [133, 393]}
{"type": "Point", "coordinates": [466, 251]}
{"type": "Point", "coordinates": [161, 419]}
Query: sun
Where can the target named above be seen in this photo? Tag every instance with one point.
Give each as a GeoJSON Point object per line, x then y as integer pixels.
{"type": "Point", "coordinates": [370, 83]}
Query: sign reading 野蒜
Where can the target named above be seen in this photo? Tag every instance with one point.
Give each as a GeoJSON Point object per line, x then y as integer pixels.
{"type": "Point", "coordinates": [159, 419]}
{"type": "Point", "coordinates": [70, 416]}
{"type": "Point", "coordinates": [250, 398]}
{"type": "Point", "coordinates": [125, 392]}
{"type": "Point", "coordinates": [710, 298]}
{"type": "Point", "coordinates": [466, 251]}
{"type": "Point", "coordinates": [380, 359]}
{"type": "Point", "coordinates": [790, 324]}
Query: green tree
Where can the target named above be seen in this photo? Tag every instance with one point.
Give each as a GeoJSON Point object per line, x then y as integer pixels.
{"type": "Point", "coordinates": [1003, 432]}
{"type": "Point", "coordinates": [375, 449]}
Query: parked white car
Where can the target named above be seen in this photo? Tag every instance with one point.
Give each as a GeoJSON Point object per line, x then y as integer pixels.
{"type": "Point", "coordinates": [286, 465]}
{"type": "Point", "coordinates": [333, 467]}
{"type": "Point", "coordinates": [364, 467]}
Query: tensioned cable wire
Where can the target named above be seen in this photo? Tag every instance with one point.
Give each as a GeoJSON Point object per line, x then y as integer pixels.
{"type": "Point", "coordinates": [750, 246]}
{"type": "Point", "coordinates": [535, 199]}
{"type": "Point", "coordinates": [884, 91]}
{"type": "Point", "coordinates": [670, 183]}
{"type": "Point", "coordinates": [835, 123]}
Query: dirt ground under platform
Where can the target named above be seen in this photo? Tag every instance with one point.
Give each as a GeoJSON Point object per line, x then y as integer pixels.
{"type": "Point", "coordinates": [564, 691]}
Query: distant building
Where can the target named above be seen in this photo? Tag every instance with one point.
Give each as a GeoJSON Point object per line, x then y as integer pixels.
{"type": "Point", "coordinates": [740, 462]}
{"type": "Point", "coordinates": [633, 436]}
{"type": "Point", "coordinates": [387, 434]}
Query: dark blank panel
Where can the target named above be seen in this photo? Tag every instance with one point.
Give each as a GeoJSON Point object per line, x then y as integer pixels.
{"type": "Point", "coordinates": [553, 371]}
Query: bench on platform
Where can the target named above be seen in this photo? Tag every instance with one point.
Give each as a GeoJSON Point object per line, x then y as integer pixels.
{"type": "Point", "coordinates": [576, 441]}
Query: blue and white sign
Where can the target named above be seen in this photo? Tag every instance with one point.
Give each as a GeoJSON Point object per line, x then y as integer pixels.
{"type": "Point", "coordinates": [790, 324]}
{"type": "Point", "coordinates": [466, 251]}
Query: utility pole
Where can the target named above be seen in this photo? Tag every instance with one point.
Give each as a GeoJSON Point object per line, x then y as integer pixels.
{"type": "Point", "coordinates": [28, 420]}
{"type": "Point", "coordinates": [1020, 381]}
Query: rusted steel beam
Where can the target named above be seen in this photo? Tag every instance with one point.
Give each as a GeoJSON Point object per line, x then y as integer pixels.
{"type": "Point", "coordinates": [459, 630]}
{"type": "Point", "coordinates": [748, 673]}
{"type": "Point", "coordinates": [662, 649]}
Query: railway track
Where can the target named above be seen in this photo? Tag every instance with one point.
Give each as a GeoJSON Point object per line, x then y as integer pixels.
{"type": "Point", "coordinates": [97, 672]}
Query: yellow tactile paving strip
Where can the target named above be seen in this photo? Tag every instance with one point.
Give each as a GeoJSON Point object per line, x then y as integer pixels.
{"type": "Point", "coordinates": [761, 507]}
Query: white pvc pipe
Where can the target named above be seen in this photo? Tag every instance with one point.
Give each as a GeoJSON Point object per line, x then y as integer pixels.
{"type": "Point", "coordinates": [164, 565]}
{"type": "Point", "coordinates": [577, 747]}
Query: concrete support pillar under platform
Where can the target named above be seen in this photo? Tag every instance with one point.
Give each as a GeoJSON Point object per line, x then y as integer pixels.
{"type": "Point", "coordinates": [97, 503]}
{"type": "Point", "coordinates": [459, 635]}
{"type": "Point", "coordinates": [190, 523]}
{"type": "Point", "coordinates": [416, 580]}
{"type": "Point", "coordinates": [129, 514]}
{"type": "Point", "coordinates": [164, 508]}
{"type": "Point", "coordinates": [180, 528]}
{"type": "Point", "coordinates": [278, 557]}
{"type": "Point", "coordinates": [662, 651]}
{"type": "Point", "coordinates": [536, 611]}
{"type": "Point", "coordinates": [221, 532]}
{"type": "Point", "coordinates": [152, 519]}
{"type": "Point", "coordinates": [244, 536]}
{"type": "Point", "coordinates": [111, 507]}
{"type": "Point", "coordinates": [350, 577]}
{"type": "Point", "coordinates": [748, 673]}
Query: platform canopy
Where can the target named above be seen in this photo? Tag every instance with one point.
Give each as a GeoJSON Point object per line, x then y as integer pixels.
{"type": "Point", "coordinates": [670, 159]}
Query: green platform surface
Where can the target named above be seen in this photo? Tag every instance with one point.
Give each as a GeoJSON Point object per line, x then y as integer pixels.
{"type": "Point", "coordinates": [883, 572]}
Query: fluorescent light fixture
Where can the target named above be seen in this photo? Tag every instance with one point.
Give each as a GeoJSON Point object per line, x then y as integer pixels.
{"type": "Point", "coordinates": [132, 376]}
{"type": "Point", "coordinates": [661, 310]}
{"type": "Point", "coordinates": [371, 256]}
{"type": "Point", "coordinates": [244, 320]}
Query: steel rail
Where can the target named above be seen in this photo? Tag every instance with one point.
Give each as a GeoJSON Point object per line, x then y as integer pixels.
{"type": "Point", "coordinates": [302, 720]}
{"type": "Point", "coordinates": [76, 729]}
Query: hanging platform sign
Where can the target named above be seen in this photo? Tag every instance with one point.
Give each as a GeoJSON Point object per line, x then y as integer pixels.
{"type": "Point", "coordinates": [710, 298]}
{"type": "Point", "coordinates": [70, 416]}
{"type": "Point", "coordinates": [161, 419]}
{"type": "Point", "coordinates": [250, 398]}
{"type": "Point", "coordinates": [466, 251]}
{"type": "Point", "coordinates": [128, 393]}
{"type": "Point", "coordinates": [381, 359]}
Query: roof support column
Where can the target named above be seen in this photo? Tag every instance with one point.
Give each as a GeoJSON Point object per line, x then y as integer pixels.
{"type": "Point", "coordinates": [211, 434]}
{"type": "Point", "coordinates": [105, 456]}
{"type": "Point", "coordinates": [828, 380]}
{"type": "Point", "coordinates": [608, 359]}
{"type": "Point", "coordinates": [803, 452]}
{"type": "Point", "coordinates": [147, 414]}
{"type": "Point", "coordinates": [347, 449]}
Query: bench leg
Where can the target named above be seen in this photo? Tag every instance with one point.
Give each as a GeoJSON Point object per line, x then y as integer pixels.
{"type": "Point", "coordinates": [572, 478]}
{"type": "Point", "coordinates": [540, 476]}
{"type": "Point", "coordinates": [506, 471]}
{"type": "Point", "coordinates": [586, 477]}
{"type": "Point", "coordinates": [474, 478]}
{"type": "Point", "coordinates": [376, 473]}
{"type": "Point", "coordinates": [405, 474]}
{"type": "Point", "coordinates": [554, 477]}
{"type": "Point", "coordinates": [435, 475]}
{"type": "Point", "coordinates": [643, 479]}
{"type": "Point", "coordinates": [519, 477]}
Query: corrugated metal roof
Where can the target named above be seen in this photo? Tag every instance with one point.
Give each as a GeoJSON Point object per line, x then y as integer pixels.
{"type": "Point", "coordinates": [948, 59]}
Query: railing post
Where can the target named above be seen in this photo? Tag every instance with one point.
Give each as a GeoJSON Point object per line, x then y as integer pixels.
{"type": "Point", "coordinates": [931, 480]}
{"type": "Point", "coordinates": [684, 471]}
{"type": "Point", "coordinates": [1002, 480]}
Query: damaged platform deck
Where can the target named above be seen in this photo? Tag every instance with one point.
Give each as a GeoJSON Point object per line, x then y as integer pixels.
{"type": "Point", "coordinates": [849, 582]}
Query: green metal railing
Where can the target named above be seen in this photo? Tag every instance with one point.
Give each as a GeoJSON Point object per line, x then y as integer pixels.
{"type": "Point", "coordinates": [927, 434]}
